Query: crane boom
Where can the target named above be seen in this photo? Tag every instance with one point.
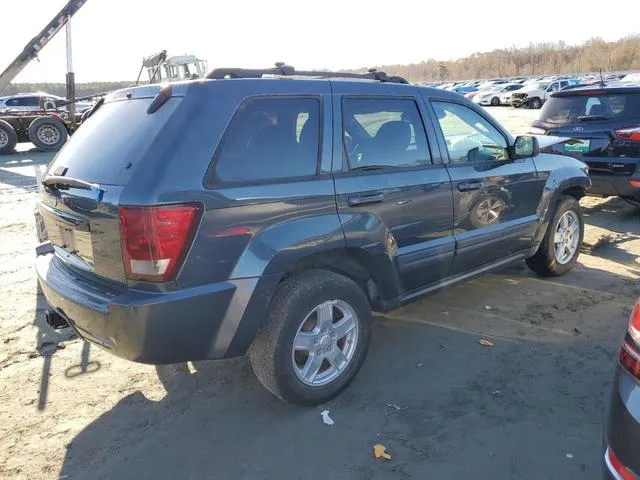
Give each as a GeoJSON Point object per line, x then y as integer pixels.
{"type": "Point", "coordinates": [36, 44]}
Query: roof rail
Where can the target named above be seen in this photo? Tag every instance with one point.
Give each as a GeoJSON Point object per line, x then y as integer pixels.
{"type": "Point", "coordinates": [288, 71]}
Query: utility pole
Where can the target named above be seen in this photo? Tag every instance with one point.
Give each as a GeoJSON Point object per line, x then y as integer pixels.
{"type": "Point", "coordinates": [71, 79]}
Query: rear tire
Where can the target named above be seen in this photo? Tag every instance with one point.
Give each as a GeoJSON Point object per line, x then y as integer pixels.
{"type": "Point", "coordinates": [48, 134]}
{"type": "Point", "coordinates": [313, 375]}
{"type": "Point", "coordinates": [546, 261]}
{"type": "Point", "coordinates": [495, 101]}
{"type": "Point", "coordinates": [8, 138]}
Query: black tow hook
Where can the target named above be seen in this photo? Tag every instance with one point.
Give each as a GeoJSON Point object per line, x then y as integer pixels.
{"type": "Point", "coordinates": [55, 320]}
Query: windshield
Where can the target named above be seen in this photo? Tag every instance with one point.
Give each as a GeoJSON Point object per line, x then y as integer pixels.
{"type": "Point", "coordinates": [579, 108]}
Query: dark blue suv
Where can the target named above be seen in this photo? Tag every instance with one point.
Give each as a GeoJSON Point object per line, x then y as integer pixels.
{"type": "Point", "coordinates": [243, 214]}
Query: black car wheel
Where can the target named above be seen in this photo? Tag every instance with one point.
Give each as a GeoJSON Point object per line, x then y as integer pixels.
{"type": "Point", "coordinates": [48, 134]}
{"type": "Point", "coordinates": [561, 245]}
{"type": "Point", "coordinates": [495, 101]}
{"type": "Point", "coordinates": [315, 337]}
{"type": "Point", "coordinates": [535, 103]}
{"type": "Point", "coordinates": [8, 138]}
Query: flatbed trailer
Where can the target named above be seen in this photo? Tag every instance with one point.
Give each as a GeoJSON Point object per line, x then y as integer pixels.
{"type": "Point", "coordinates": [47, 130]}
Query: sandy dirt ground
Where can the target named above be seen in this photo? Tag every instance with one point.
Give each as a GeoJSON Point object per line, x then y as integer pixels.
{"type": "Point", "coordinates": [444, 406]}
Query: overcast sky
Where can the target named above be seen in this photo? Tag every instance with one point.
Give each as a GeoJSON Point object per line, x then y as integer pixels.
{"type": "Point", "coordinates": [110, 37]}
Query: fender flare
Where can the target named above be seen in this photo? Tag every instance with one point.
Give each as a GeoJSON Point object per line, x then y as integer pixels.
{"type": "Point", "coordinates": [558, 182]}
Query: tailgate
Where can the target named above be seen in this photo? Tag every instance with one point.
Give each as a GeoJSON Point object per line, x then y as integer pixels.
{"type": "Point", "coordinates": [84, 227]}
{"type": "Point", "coordinates": [604, 154]}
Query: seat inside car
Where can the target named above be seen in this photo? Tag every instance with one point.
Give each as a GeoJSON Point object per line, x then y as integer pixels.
{"type": "Point", "coordinates": [391, 142]}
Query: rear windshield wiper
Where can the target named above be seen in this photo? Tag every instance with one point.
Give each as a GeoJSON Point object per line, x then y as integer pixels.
{"type": "Point", "coordinates": [587, 118]}
{"type": "Point", "coordinates": [59, 182]}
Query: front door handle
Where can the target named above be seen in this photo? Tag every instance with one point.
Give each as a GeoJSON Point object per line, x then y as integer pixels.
{"type": "Point", "coordinates": [470, 186]}
{"type": "Point", "coordinates": [364, 199]}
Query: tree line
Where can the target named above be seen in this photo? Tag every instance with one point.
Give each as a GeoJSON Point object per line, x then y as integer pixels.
{"type": "Point", "coordinates": [82, 89]}
{"type": "Point", "coordinates": [535, 59]}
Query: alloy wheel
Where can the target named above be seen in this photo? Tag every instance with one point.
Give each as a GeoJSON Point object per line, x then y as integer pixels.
{"type": "Point", "coordinates": [325, 343]}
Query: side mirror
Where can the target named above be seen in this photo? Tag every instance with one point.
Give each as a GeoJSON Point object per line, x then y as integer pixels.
{"type": "Point", "coordinates": [526, 146]}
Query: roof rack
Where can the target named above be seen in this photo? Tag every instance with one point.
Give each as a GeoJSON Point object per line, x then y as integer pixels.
{"type": "Point", "coordinates": [288, 71]}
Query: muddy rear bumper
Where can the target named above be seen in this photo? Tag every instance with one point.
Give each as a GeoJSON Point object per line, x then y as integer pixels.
{"type": "Point", "coordinates": [199, 323]}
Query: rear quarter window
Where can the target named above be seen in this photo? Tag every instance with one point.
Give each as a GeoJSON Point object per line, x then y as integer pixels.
{"type": "Point", "coordinates": [269, 139]}
{"type": "Point", "coordinates": [575, 108]}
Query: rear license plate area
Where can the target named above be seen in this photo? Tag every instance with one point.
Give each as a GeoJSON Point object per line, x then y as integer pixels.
{"type": "Point", "coordinates": [71, 237]}
{"type": "Point", "coordinates": [577, 146]}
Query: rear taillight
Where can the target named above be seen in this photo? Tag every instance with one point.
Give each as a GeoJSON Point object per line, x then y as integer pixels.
{"type": "Point", "coordinates": [619, 471]}
{"type": "Point", "coordinates": [155, 240]}
{"type": "Point", "coordinates": [629, 133]}
{"type": "Point", "coordinates": [634, 323]}
{"type": "Point", "coordinates": [630, 353]}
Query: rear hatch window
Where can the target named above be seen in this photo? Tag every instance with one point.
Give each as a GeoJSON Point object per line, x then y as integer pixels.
{"type": "Point", "coordinates": [593, 119]}
{"type": "Point", "coordinates": [585, 107]}
{"type": "Point", "coordinates": [106, 148]}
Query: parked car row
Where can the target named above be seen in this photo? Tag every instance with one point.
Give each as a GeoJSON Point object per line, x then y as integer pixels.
{"type": "Point", "coordinates": [530, 92]}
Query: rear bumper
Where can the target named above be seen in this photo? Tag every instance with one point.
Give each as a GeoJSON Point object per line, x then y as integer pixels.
{"type": "Point", "coordinates": [622, 422]}
{"type": "Point", "coordinates": [207, 322]}
{"type": "Point", "coordinates": [614, 185]}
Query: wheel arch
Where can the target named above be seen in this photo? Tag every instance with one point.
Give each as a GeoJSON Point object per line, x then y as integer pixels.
{"type": "Point", "coordinates": [354, 263]}
{"type": "Point", "coordinates": [569, 180]}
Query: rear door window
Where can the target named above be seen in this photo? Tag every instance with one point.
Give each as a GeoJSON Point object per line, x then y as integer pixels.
{"type": "Point", "coordinates": [269, 139]}
{"type": "Point", "coordinates": [383, 133]}
{"type": "Point", "coordinates": [584, 107]}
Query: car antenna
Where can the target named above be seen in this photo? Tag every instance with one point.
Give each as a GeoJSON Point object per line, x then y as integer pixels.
{"type": "Point", "coordinates": [602, 84]}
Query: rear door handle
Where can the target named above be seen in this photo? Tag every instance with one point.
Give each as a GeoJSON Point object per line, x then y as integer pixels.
{"type": "Point", "coordinates": [364, 199]}
{"type": "Point", "coordinates": [469, 186]}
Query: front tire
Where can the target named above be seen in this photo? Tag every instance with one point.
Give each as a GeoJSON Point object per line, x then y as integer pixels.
{"type": "Point", "coordinates": [315, 337]}
{"type": "Point", "coordinates": [495, 101]}
{"type": "Point", "coordinates": [561, 245]}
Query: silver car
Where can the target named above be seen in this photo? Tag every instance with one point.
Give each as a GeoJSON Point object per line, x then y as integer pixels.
{"type": "Point", "coordinates": [492, 96]}
{"type": "Point", "coordinates": [30, 102]}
